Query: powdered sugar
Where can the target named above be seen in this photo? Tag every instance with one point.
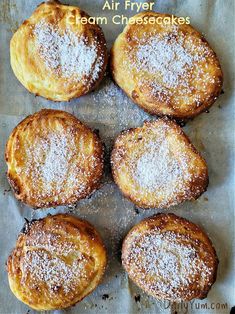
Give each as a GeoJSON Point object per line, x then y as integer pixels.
{"type": "Point", "coordinates": [43, 264]}
{"type": "Point", "coordinates": [172, 59]}
{"type": "Point", "coordinates": [159, 166]}
{"type": "Point", "coordinates": [168, 263]}
{"type": "Point", "coordinates": [58, 168]}
{"type": "Point", "coordinates": [48, 163]}
{"type": "Point", "coordinates": [167, 56]}
{"type": "Point", "coordinates": [52, 242]}
{"type": "Point", "coordinates": [57, 156]}
{"type": "Point", "coordinates": [116, 109]}
{"type": "Point", "coordinates": [54, 258]}
{"type": "Point", "coordinates": [156, 168]}
{"type": "Point", "coordinates": [68, 54]}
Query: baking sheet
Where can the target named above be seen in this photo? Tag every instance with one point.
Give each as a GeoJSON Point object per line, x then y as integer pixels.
{"type": "Point", "coordinates": [110, 111]}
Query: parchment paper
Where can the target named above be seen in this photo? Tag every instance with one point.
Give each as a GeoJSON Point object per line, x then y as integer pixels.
{"type": "Point", "coordinates": [110, 111]}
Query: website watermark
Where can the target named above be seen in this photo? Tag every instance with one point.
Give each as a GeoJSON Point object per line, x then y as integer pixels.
{"type": "Point", "coordinates": [195, 305]}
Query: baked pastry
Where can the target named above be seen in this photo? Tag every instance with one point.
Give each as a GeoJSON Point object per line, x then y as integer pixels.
{"type": "Point", "coordinates": [170, 258]}
{"type": "Point", "coordinates": [55, 56]}
{"type": "Point", "coordinates": [53, 159]}
{"type": "Point", "coordinates": [57, 262]}
{"type": "Point", "coordinates": [166, 69]}
{"type": "Point", "coordinates": [156, 166]}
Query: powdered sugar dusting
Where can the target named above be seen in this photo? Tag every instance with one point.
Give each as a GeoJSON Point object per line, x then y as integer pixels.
{"type": "Point", "coordinates": [168, 57]}
{"type": "Point", "coordinates": [159, 171]}
{"type": "Point", "coordinates": [57, 168]}
{"type": "Point", "coordinates": [116, 109]}
{"type": "Point", "coordinates": [56, 160]}
{"type": "Point", "coordinates": [167, 264]}
{"type": "Point", "coordinates": [173, 60]}
{"type": "Point", "coordinates": [48, 162]}
{"type": "Point", "coordinates": [158, 165]}
{"type": "Point", "coordinates": [156, 168]}
{"type": "Point", "coordinates": [55, 261]}
{"type": "Point", "coordinates": [68, 54]}
{"type": "Point", "coordinates": [42, 267]}
{"type": "Point", "coordinates": [52, 242]}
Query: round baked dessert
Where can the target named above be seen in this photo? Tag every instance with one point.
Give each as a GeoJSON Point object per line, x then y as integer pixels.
{"type": "Point", "coordinates": [166, 69]}
{"type": "Point", "coordinates": [57, 262]}
{"type": "Point", "coordinates": [170, 258]}
{"type": "Point", "coordinates": [156, 166]}
{"type": "Point", "coordinates": [53, 159]}
{"type": "Point", "coordinates": [55, 56]}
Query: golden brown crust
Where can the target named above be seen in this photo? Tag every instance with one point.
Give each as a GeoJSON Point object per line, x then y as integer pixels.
{"type": "Point", "coordinates": [57, 262]}
{"type": "Point", "coordinates": [156, 166]}
{"type": "Point", "coordinates": [53, 159]}
{"type": "Point", "coordinates": [166, 69]}
{"type": "Point", "coordinates": [170, 258]}
{"type": "Point", "coordinates": [55, 56]}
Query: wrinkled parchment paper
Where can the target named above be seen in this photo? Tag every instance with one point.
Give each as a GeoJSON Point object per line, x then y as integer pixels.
{"type": "Point", "coordinates": [110, 111]}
